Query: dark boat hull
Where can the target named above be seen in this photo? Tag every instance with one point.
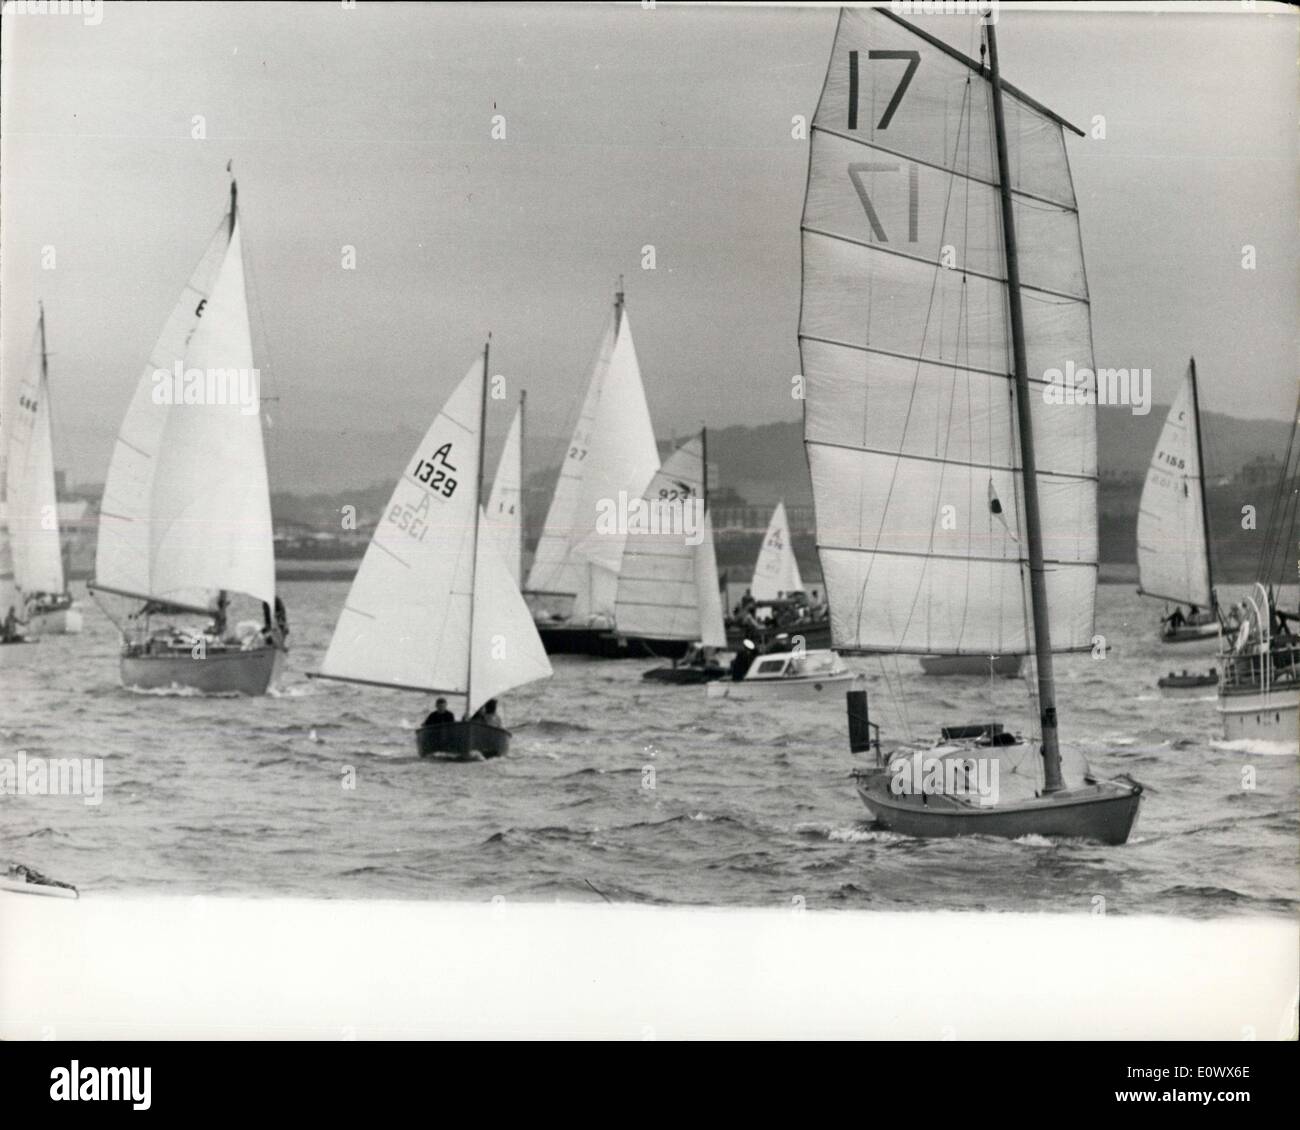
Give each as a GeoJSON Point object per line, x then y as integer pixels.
{"type": "Point", "coordinates": [227, 671]}
{"type": "Point", "coordinates": [601, 643]}
{"type": "Point", "coordinates": [977, 666]}
{"type": "Point", "coordinates": [462, 740]}
{"type": "Point", "coordinates": [684, 676]}
{"type": "Point", "coordinates": [1105, 811]}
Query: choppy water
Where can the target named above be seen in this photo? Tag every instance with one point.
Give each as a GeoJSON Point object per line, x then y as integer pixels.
{"type": "Point", "coordinates": [751, 804]}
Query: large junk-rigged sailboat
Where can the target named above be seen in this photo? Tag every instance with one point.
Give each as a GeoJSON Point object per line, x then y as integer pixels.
{"type": "Point", "coordinates": [668, 592]}
{"type": "Point", "coordinates": [573, 583]}
{"type": "Point", "coordinates": [956, 494]}
{"type": "Point", "coordinates": [435, 607]}
{"type": "Point", "coordinates": [31, 504]}
{"type": "Point", "coordinates": [1173, 528]}
{"type": "Point", "coordinates": [185, 519]}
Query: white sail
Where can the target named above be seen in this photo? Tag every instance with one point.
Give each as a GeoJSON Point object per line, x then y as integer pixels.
{"type": "Point", "coordinates": [32, 506]}
{"type": "Point", "coordinates": [668, 583]}
{"type": "Point", "coordinates": [777, 572]}
{"type": "Point", "coordinates": [505, 512]}
{"type": "Point", "coordinates": [612, 450]}
{"type": "Point", "coordinates": [407, 619]}
{"type": "Point", "coordinates": [910, 420]}
{"type": "Point", "coordinates": [125, 553]}
{"type": "Point", "coordinates": [1173, 559]}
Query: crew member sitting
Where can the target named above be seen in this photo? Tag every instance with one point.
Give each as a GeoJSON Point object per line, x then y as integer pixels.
{"type": "Point", "coordinates": [441, 715]}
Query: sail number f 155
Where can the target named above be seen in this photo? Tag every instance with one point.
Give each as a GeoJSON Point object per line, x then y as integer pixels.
{"type": "Point", "coordinates": [913, 60]}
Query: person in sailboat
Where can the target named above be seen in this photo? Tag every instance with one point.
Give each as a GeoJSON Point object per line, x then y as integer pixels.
{"type": "Point", "coordinates": [1175, 619]}
{"type": "Point", "coordinates": [487, 714]}
{"type": "Point", "coordinates": [746, 653]}
{"type": "Point", "coordinates": [440, 715]}
{"type": "Point", "coordinates": [11, 632]}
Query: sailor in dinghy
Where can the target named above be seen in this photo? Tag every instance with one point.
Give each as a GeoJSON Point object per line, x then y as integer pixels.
{"type": "Point", "coordinates": [436, 607]}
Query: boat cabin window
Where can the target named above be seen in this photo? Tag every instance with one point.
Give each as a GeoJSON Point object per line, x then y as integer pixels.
{"type": "Point", "coordinates": [770, 667]}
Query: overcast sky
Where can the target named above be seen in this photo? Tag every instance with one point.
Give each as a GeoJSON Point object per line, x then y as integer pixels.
{"type": "Point", "coordinates": [624, 127]}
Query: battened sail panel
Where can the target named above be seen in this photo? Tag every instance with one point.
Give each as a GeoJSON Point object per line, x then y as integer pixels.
{"type": "Point", "coordinates": [124, 549]}
{"type": "Point", "coordinates": [211, 504]}
{"type": "Point", "coordinates": [32, 505]}
{"type": "Point", "coordinates": [906, 351]}
{"type": "Point", "coordinates": [406, 620]}
{"type": "Point", "coordinates": [503, 524]}
{"type": "Point", "coordinates": [776, 572]}
{"type": "Point", "coordinates": [613, 450]}
{"type": "Point", "coordinates": [1173, 561]}
{"type": "Point", "coordinates": [668, 583]}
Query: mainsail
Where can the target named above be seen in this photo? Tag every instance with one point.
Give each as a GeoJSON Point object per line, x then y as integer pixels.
{"type": "Point", "coordinates": [433, 607]}
{"type": "Point", "coordinates": [505, 509]}
{"type": "Point", "coordinates": [910, 414]}
{"type": "Point", "coordinates": [776, 572]}
{"type": "Point", "coordinates": [612, 450]}
{"type": "Point", "coordinates": [668, 584]}
{"type": "Point", "coordinates": [186, 511]}
{"type": "Point", "coordinates": [31, 503]}
{"type": "Point", "coordinates": [1173, 555]}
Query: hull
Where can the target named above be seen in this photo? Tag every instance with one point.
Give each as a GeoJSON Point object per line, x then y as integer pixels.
{"type": "Point", "coordinates": [462, 740]}
{"type": "Point", "coordinates": [1274, 716]}
{"type": "Point", "coordinates": [794, 686]}
{"type": "Point", "coordinates": [602, 643]}
{"type": "Point", "coordinates": [1186, 636]}
{"type": "Point", "coordinates": [1105, 812]}
{"type": "Point", "coordinates": [63, 621]}
{"type": "Point", "coordinates": [685, 676]}
{"type": "Point", "coordinates": [220, 672]}
{"type": "Point", "coordinates": [978, 666]}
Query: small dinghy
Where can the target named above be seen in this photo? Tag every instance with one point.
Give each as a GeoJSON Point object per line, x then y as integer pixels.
{"type": "Point", "coordinates": [979, 666]}
{"type": "Point", "coordinates": [23, 880]}
{"type": "Point", "coordinates": [435, 606]}
{"type": "Point", "coordinates": [1187, 682]}
{"type": "Point", "coordinates": [789, 674]}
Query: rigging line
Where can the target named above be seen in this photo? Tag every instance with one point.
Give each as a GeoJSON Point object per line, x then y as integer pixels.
{"type": "Point", "coordinates": [934, 282]}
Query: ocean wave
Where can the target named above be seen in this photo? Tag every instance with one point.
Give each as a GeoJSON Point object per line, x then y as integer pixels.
{"type": "Point", "coordinates": [1261, 747]}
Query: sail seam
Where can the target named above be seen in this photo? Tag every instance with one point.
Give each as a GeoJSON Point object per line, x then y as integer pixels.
{"type": "Point", "coordinates": [948, 461]}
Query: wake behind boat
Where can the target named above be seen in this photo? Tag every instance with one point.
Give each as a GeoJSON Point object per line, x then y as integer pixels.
{"type": "Point", "coordinates": [185, 519]}
{"type": "Point", "coordinates": [435, 607]}
{"type": "Point", "coordinates": [885, 322]}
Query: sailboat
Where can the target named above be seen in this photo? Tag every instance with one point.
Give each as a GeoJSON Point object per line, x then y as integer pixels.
{"type": "Point", "coordinates": [776, 601]}
{"type": "Point", "coordinates": [668, 593]}
{"type": "Point", "coordinates": [956, 498]}
{"type": "Point", "coordinates": [573, 583]}
{"type": "Point", "coordinates": [185, 520]}
{"type": "Point", "coordinates": [1173, 527]}
{"type": "Point", "coordinates": [31, 506]}
{"type": "Point", "coordinates": [434, 607]}
{"type": "Point", "coordinates": [1259, 695]}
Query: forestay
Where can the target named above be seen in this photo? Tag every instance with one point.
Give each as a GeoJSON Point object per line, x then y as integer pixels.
{"type": "Point", "coordinates": [905, 343]}
{"type": "Point", "coordinates": [1173, 560]}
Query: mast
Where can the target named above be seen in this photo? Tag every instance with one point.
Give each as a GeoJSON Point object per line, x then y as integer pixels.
{"type": "Point", "coordinates": [1200, 475]}
{"type": "Point", "coordinates": [704, 459]}
{"type": "Point", "coordinates": [523, 529]}
{"type": "Point", "coordinates": [618, 307]}
{"type": "Point", "coordinates": [478, 502]}
{"type": "Point", "coordinates": [1052, 780]}
{"type": "Point", "coordinates": [234, 201]}
{"type": "Point", "coordinates": [45, 371]}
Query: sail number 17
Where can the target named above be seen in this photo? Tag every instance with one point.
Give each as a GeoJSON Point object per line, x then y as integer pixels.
{"type": "Point", "coordinates": [913, 60]}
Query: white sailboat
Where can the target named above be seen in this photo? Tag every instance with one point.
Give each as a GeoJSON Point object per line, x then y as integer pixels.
{"type": "Point", "coordinates": [505, 508]}
{"type": "Point", "coordinates": [776, 573]}
{"type": "Point", "coordinates": [31, 505]}
{"type": "Point", "coordinates": [434, 607]}
{"type": "Point", "coordinates": [185, 520]}
{"type": "Point", "coordinates": [955, 491]}
{"type": "Point", "coordinates": [1173, 529]}
{"type": "Point", "coordinates": [668, 593]}
{"type": "Point", "coordinates": [573, 583]}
